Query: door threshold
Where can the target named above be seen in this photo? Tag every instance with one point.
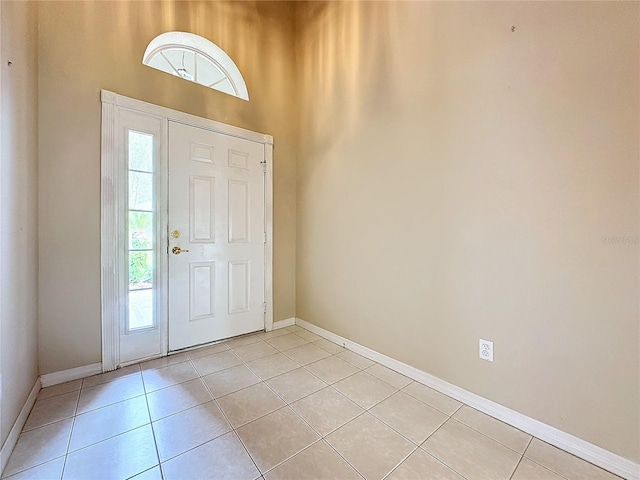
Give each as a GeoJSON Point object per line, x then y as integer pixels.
{"type": "Point", "coordinates": [210, 344]}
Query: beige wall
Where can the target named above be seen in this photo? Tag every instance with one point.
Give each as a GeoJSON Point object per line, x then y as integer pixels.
{"type": "Point", "coordinates": [455, 182]}
{"type": "Point", "coordinates": [18, 208]}
{"type": "Point", "coordinates": [87, 46]}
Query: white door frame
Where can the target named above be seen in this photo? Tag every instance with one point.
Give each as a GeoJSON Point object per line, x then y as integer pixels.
{"type": "Point", "coordinates": [112, 223]}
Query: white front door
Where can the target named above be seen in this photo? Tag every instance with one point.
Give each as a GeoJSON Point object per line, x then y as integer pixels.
{"type": "Point", "coordinates": [217, 236]}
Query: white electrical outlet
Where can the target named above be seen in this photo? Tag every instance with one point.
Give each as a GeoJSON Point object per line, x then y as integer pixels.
{"type": "Point", "coordinates": [486, 350]}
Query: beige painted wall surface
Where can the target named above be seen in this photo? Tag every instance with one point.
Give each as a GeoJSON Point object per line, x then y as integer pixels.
{"type": "Point", "coordinates": [87, 46]}
{"type": "Point", "coordinates": [457, 180]}
{"type": "Point", "coordinates": [18, 208]}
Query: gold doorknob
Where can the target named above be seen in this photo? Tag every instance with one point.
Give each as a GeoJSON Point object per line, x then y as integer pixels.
{"type": "Point", "coordinates": [178, 250]}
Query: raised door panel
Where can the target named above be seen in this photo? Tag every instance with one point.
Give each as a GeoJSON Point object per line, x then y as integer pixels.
{"type": "Point", "coordinates": [202, 290]}
{"type": "Point", "coordinates": [201, 152]}
{"type": "Point", "coordinates": [238, 286]}
{"type": "Point", "coordinates": [238, 202]}
{"type": "Point", "coordinates": [202, 217]}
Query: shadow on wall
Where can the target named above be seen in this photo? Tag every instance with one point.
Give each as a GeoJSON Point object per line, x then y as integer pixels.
{"type": "Point", "coordinates": [254, 40]}
{"type": "Point", "coordinates": [345, 55]}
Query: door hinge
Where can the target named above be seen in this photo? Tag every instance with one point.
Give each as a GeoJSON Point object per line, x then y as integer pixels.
{"type": "Point", "coordinates": [265, 237]}
{"type": "Point", "coordinates": [264, 166]}
{"type": "Point", "coordinates": [265, 307]}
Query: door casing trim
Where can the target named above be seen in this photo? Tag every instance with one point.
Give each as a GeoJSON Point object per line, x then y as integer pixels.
{"type": "Point", "coordinates": [111, 225]}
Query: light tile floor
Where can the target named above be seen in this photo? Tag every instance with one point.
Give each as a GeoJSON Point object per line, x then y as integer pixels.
{"type": "Point", "coordinates": [279, 405]}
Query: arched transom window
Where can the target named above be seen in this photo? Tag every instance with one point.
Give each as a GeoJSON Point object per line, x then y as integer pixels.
{"type": "Point", "coordinates": [196, 59]}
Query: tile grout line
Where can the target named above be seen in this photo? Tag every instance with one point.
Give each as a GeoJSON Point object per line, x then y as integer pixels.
{"type": "Point", "coordinates": [113, 403]}
{"type": "Point", "coordinates": [118, 434]}
{"type": "Point", "coordinates": [551, 470]}
{"type": "Point", "coordinates": [308, 363]}
{"type": "Point", "coordinates": [360, 370]}
{"type": "Point", "coordinates": [531, 437]}
{"type": "Point", "coordinates": [72, 418]}
{"type": "Point", "coordinates": [365, 410]}
{"type": "Point", "coordinates": [323, 437]}
{"type": "Point", "coordinates": [287, 404]}
{"type": "Point", "coordinates": [110, 405]}
{"type": "Point", "coordinates": [145, 471]}
{"type": "Point", "coordinates": [107, 438]}
{"type": "Point", "coordinates": [437, 458]}
{"type": "Point", "coordinates": [230, 350]}
{"type": "Point", "coordinates": [153, 430]}
{"type": "Point", "coordinates": [428, 404]}
{"type": "Point", "coordinates": [368, 410]}
{"type": "Point", "coordinates": [456, 420]}
{"type": "Point", "coordinates": [342, 456]}
{"type": "Point", "coordinates": [493, 439]}
{"type": "Point", "coordinates": [49, 423]}
{"type": "Point", "coordinates": [401, 462]}
{"type": "Point", "coordinates": [73, 424]}
{"type": "Point", "coordinates": [444, 464]}
{"type": "Point", "coordinates": [213, 399]}
{"type": "Point", "coordinates": [233, 429]}
{"type": "Point", "coordinates": [291, 456]}
{"type": "Point", "coordinates": [3, 477]}
{"type": "Point", "coordinates": [87, 387]}
{"type": "Point", "coordinates": [260, 358]}
{"type": "Point", "coordinates": [517, 465]}
{"type": "Point", "coordinates": [399, 433]}
{"type": "Point", "coordinates": [320, 436]}
{"type": "Point", "coordinates": [63, 393]}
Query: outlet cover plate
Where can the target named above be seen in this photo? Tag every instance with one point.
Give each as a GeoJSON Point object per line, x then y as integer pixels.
{"type": "Point", "coordinates": [485, 350]}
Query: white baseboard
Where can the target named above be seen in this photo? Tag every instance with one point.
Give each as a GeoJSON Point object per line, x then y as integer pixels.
{"type": "Point", "coordinates": [12, 439]}
{"type": "Point", "coordinates": [71, 374]}
{"type": "Point", "coordinates": [591, 453]}
{"type": "Point", "coordinates": [284, 323]}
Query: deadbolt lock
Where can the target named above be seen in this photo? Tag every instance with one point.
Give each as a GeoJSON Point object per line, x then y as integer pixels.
{"type": "Point", "coordinates": [178, 250]}
{"type": "Point", "coordinates": [175, 234]}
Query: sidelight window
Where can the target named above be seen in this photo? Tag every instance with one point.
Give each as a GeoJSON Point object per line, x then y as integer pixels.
{"type": "Point", "coordinates": [141, 230]}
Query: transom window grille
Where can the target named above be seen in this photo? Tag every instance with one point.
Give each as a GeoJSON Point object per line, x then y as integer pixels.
{"type": "Point", "coordinates": [196, 59]}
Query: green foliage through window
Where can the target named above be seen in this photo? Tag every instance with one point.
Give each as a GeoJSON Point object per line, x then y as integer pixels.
{"type": "Point", "coordinates": [140, 269]}
{"type": "Point", "coordinates": [141, 229]}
